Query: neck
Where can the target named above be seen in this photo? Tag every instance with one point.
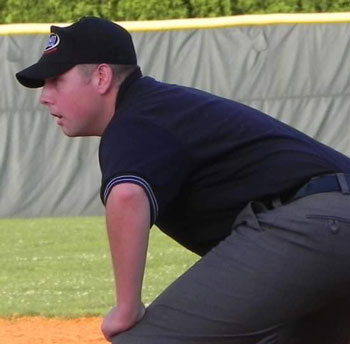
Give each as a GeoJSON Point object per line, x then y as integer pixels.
{"type": "Point", "coordinates": [107, 111]}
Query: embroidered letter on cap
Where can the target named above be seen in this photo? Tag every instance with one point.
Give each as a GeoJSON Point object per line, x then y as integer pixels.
{"type": "Point", "coordinates": [54, 41]}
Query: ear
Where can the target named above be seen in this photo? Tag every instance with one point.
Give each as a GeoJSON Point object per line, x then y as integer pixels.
{"type": "Point", "coordinates": [103, 78]}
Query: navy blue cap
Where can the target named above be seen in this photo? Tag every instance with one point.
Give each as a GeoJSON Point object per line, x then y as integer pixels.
{"type": "Point", "coordinates": [91, 40]}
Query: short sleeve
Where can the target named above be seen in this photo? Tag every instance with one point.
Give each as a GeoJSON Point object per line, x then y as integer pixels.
{"type": "Point", "coordinates": [138, 151]}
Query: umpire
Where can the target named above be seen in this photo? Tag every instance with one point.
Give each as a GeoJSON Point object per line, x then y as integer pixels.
{"type": "Point", "coordinates": [266, 206]}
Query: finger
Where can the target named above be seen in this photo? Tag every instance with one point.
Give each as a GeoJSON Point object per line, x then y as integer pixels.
{"type": "Point", "coordinates": [105, 333]}
{"type": "Point", "coordinates": [107, 337]}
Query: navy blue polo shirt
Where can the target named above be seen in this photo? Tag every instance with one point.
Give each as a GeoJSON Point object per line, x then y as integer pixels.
{"type": "Point", "coordinates": [201, 158]}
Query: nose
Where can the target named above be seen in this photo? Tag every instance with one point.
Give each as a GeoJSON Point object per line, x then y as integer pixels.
{"type": "Point", "coordinates": [46, 96]}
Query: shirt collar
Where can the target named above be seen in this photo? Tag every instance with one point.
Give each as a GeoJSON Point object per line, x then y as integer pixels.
{"type": "Point", "coordinates": [135, 75]}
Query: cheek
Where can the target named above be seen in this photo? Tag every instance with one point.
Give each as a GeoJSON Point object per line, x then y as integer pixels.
{"type": "Point", "coordinates": [80, 104]}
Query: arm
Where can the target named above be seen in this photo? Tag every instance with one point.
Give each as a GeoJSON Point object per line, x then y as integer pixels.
{"type": "Point", "coordinates": [128, 219]}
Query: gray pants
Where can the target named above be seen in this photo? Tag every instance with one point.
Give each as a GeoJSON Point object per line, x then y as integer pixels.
{"type": "Point", "coordinates": [281, 277]}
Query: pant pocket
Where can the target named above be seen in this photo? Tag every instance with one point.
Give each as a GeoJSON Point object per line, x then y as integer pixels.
{"type": "Point", "coordinates": [333, 223]}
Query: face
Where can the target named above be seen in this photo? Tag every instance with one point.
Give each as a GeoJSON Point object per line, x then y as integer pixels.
{"type": "Point", "coordinates": [74, 102]}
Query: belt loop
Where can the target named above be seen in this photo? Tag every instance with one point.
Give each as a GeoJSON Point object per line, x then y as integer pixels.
{"type": "Point", "coordinates": [276, 202]}
{"type": "Point", "coordinates": [344, 186]}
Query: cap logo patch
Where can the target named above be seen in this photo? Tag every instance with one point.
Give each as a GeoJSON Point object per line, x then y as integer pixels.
{"type": "Point", "coordinates": [54, 41]}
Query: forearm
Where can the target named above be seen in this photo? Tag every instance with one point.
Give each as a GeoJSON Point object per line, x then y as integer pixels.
{"type": "Point", "coordinates": [128, 218]}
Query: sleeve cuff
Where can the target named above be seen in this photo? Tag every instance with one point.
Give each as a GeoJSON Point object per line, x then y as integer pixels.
{"type": "Point", "coordinates": [135, 180]}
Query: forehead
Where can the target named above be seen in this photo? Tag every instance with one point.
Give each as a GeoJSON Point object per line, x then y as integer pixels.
{"type": "Point", "coordinates": [72, 74]}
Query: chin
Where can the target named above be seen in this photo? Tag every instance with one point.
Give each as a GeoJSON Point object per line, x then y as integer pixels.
{"type": "Point", "coordinates": [78, 134]}
{"type": "Point", "coordinates": [69, 133]}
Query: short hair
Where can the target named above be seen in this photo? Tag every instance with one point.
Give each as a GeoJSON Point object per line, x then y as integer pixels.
{"type": "Point", "coordinates": [120, 71]}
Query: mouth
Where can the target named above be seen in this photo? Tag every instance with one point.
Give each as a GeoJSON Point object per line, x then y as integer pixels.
{"type": "Point", "coordinates": [59, 118]}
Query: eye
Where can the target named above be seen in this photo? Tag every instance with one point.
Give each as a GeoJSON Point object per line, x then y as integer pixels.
{"type": "Point", "coordinates": [56, 81]}
{"type": "Point", "coordinates": [51, 81]}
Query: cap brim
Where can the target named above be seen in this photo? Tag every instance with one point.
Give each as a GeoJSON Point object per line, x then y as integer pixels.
{"type": "Point", "coordinates": [35, 75]}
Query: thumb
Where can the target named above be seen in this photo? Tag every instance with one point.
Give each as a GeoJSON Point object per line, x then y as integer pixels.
{"type": "Point", "coordinates": [142, 312]}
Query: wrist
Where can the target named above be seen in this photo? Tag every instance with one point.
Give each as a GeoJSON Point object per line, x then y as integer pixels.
{"type": "Point", "coordinates": [130, 310]}
{"type": "Point", "coordinates": [120, 319]}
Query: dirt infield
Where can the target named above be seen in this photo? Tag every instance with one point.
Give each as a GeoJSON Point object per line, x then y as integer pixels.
{"type": "Point", "coordinates": [36, 330]}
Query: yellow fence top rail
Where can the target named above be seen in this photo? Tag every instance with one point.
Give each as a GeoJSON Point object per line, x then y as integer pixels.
{"type": "Point", "coordinates": [197, 23]}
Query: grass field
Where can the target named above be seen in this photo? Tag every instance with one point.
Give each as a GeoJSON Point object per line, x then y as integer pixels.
{"type": "Point", "coordinates": [61, 267]}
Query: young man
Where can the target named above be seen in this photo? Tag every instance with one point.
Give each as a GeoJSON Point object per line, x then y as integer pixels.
{"type": "Point", "coordinates": [266, 206]}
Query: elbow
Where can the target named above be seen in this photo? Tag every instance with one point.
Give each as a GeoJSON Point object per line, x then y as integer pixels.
{"type": "Point", "coordinates": [128, 206]}
{"type": "Point", "coordinates": [127, 194]}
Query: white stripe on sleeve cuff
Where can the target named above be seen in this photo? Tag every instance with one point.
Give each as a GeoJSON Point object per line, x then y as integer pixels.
{"type": "Point", "coordinates": [135, 180]}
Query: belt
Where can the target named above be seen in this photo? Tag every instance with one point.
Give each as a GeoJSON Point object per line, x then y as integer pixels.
{"type": "Point", "coordinates": [325, 183]}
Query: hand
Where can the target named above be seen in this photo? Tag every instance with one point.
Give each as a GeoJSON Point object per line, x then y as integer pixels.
{"type": "Point", "coordinates": [119, 320]}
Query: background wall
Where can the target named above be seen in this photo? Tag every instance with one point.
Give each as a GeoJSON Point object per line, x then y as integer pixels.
{"type": "Point", "coordinates": [296, 71]}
